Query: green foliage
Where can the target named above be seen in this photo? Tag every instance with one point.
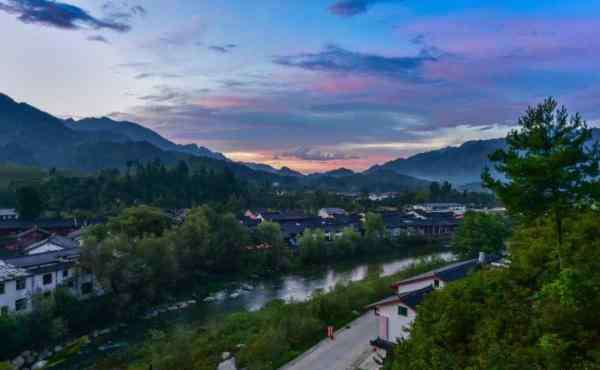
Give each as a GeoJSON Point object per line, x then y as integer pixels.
{"type": "Point", "coordinates": [29, 202]}
{"type": "Point", "coordinates": [549, 167]}
{"type": "Point", "coordinates": [51, 321]}
{"type": "Point", "coordinates": [313, 246]}
{"type": "Point", "coordinates": [374, 226]}
{"type": "Point", "coordinates": [136, 222]}
{"type": "Point", "coordinates": [541, 312]}
{"type": "Point", "coordinates": [268, 338]}
{"type": "Point", "coordinates": [480, 232]}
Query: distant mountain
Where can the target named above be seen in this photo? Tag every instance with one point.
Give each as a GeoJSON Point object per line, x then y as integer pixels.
{"type": "Point", "coordinates": [284, 171]}
{"type": "Point", "coordinates": [459, 165]}
{"type": "Point", "coordinates": [29, 136]}
{"type": "Point", "coordinates": [131, 131]}
{"type": "Point", "coordinates": [340, 172]}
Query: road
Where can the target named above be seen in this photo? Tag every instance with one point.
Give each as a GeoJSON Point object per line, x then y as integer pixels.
{"type": "Point", "coordinates": [349, 349]}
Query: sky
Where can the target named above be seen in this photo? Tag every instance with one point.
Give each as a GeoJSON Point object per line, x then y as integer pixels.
{"type": "Point", "coordinates": [313, 84]}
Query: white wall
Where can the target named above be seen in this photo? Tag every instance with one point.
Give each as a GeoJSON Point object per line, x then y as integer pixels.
{"type": "Point", "coordinates": [11, 294]}
{"type": "Point", "coordinates": [35, 285]}
{"type": "Point", "coordinates": [397, 323]}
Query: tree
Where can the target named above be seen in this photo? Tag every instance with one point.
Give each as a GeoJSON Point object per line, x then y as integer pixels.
{"type": "Point", "coordinates": [549, 169]}
{"type": "Point", "coordinates": [270, 233]}
{"type": "Point", "coordinates": [480, 232]}
{"type": "Point", "coordinates": [136, 222]}
{"type": "Point", "coordinates": [348, 243]}
{"type": "Point", "coordinates": [374, 226]}
{"type": "Point", "coordinates": [312, 245]}
{"type": "Point", "coordinates": [30, 203]}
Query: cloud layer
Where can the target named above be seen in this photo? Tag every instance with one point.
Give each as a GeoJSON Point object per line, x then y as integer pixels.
{"type": "Point", "coordinates": [350, 8]}
{"type": "Point", "coordinates": [337, 59]}
{"type": "Point", "coordinates": [59, 15]}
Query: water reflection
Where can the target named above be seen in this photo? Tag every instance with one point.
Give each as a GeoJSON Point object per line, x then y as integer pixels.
{"type": "Point", "coordinates": [300, 287]}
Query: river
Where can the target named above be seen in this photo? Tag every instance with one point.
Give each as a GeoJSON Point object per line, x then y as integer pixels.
{"type": "Point", "coordinates": [250, 295]}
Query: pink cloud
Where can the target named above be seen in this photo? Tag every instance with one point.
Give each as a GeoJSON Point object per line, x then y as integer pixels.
{"type": "Point", "coordinates": [343, 84]}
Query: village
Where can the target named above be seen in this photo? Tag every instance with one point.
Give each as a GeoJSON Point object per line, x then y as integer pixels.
{"type": "Point", "coordinates": [43, 255]}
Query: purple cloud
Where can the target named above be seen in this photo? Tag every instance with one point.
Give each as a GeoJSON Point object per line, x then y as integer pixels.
{"type": "Point", "coordinates": [350, 8]}
{"type": "Point", "coordinates": [336, 59]}
{"type": "Point", "coordinates": [223, 49]}
{"type": "Point", "coordinates": [59, 15]}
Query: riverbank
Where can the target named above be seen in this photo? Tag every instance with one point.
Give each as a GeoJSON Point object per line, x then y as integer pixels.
{"type": "Point", "coordinates": [263, 339]}
{"type": "Point", "coordinates": [233, 295]}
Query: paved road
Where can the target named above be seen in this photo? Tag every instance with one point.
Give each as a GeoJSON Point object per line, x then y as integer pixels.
{"type": "Point", "coordinates": [349, 349]}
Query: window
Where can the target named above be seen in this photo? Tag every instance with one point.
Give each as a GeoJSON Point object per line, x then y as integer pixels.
{"type": "Point", "coordinates": [436, 283]}
{"type": "Point", "coordinates": [86, 288]}
{"type": "Point", "coordinates": [402, 311]}
{"type": "Point", "coordinates": [4, 311]}
{"type": "Point", "coordinates": [21, 304]}
{"type": "Point", "coordinates": [2, 288]}
{"type": "Point", "coordinates": [47, 279]}
{"type": "Point", "coordinates": [21, 284]}
{"type": "Point", "coordinates": [65, 273]}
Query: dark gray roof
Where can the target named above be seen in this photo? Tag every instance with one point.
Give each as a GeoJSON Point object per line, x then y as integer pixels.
{"type": "Point", "coordinates": [447, 273]}
{"type": "Point", "coordinates": [58, 240]}
{"type": "Point", "coordinates": [43, 259]}
{"type": "Point", "coordinates": [414, 298]}
{"type": "Point", "coordinates": [410, 299]}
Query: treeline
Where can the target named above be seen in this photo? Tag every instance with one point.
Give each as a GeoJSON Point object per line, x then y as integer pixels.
{"type": "Point", "coordinates": [542, 311]}
{"type": "Point", "coordinates": [187, 185]}
{"type": "Point", "coordinates": [109, 191]}
{"type": "Point", "coordinates": [208, 244]}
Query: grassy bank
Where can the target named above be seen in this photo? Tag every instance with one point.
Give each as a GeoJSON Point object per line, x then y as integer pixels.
{"type": "Point", "coordinates": [262, 340]}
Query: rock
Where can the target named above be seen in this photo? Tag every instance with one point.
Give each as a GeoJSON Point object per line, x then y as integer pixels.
{"type": "Point", "coordinates": [228, 365]}
{"type": "Point", "coordinates": [18, 362]}
{"type": "Point", "coordinates": [57, 349]}
{"type": "Point", "coordinates": [192, 301]}
{"type": "Point", "coordinates": [39, 365]}
{"type": "Point", "coordinates": [44, 355]}
{"type": "Point", "coordinates": [240, 346]}
{"type": "Point", "coordinates": [104, 331]}
{"type": "Point", "coordinates": [225, 355]}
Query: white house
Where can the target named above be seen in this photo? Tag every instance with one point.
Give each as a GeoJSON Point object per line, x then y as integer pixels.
{"type": "Point", "coordinates": [397, 313]}
{"type": "Point", "coordinates": [13, 292]}
{"type": "Point", "coordinates": [23, 277]}
{"type": "Point", "coordinates": [8, 214]}
{"type": "Point", "coordinates": [331, 212]}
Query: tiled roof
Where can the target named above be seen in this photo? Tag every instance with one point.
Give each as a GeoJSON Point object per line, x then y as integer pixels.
{"type": "Point", "coordinates": [58, 240]}
{"type": "Point", "coordinates": [42, 259]}
{"type": "Point", "coordinates": [447, 273]}
{"type": "Point", "coordinates": [412, 299]}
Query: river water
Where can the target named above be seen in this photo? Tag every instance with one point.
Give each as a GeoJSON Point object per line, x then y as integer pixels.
{"type": "Point", "coordinates": [251, 295]}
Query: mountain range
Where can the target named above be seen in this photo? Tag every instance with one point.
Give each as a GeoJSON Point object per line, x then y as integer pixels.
{"type": "Point", "coordinates": [461, 165]}
{"type": "Point", "coordinates": [29, 136]}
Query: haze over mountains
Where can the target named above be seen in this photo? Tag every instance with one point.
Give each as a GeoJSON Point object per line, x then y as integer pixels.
{"type": "Point", "coordinates": [29, 136]}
